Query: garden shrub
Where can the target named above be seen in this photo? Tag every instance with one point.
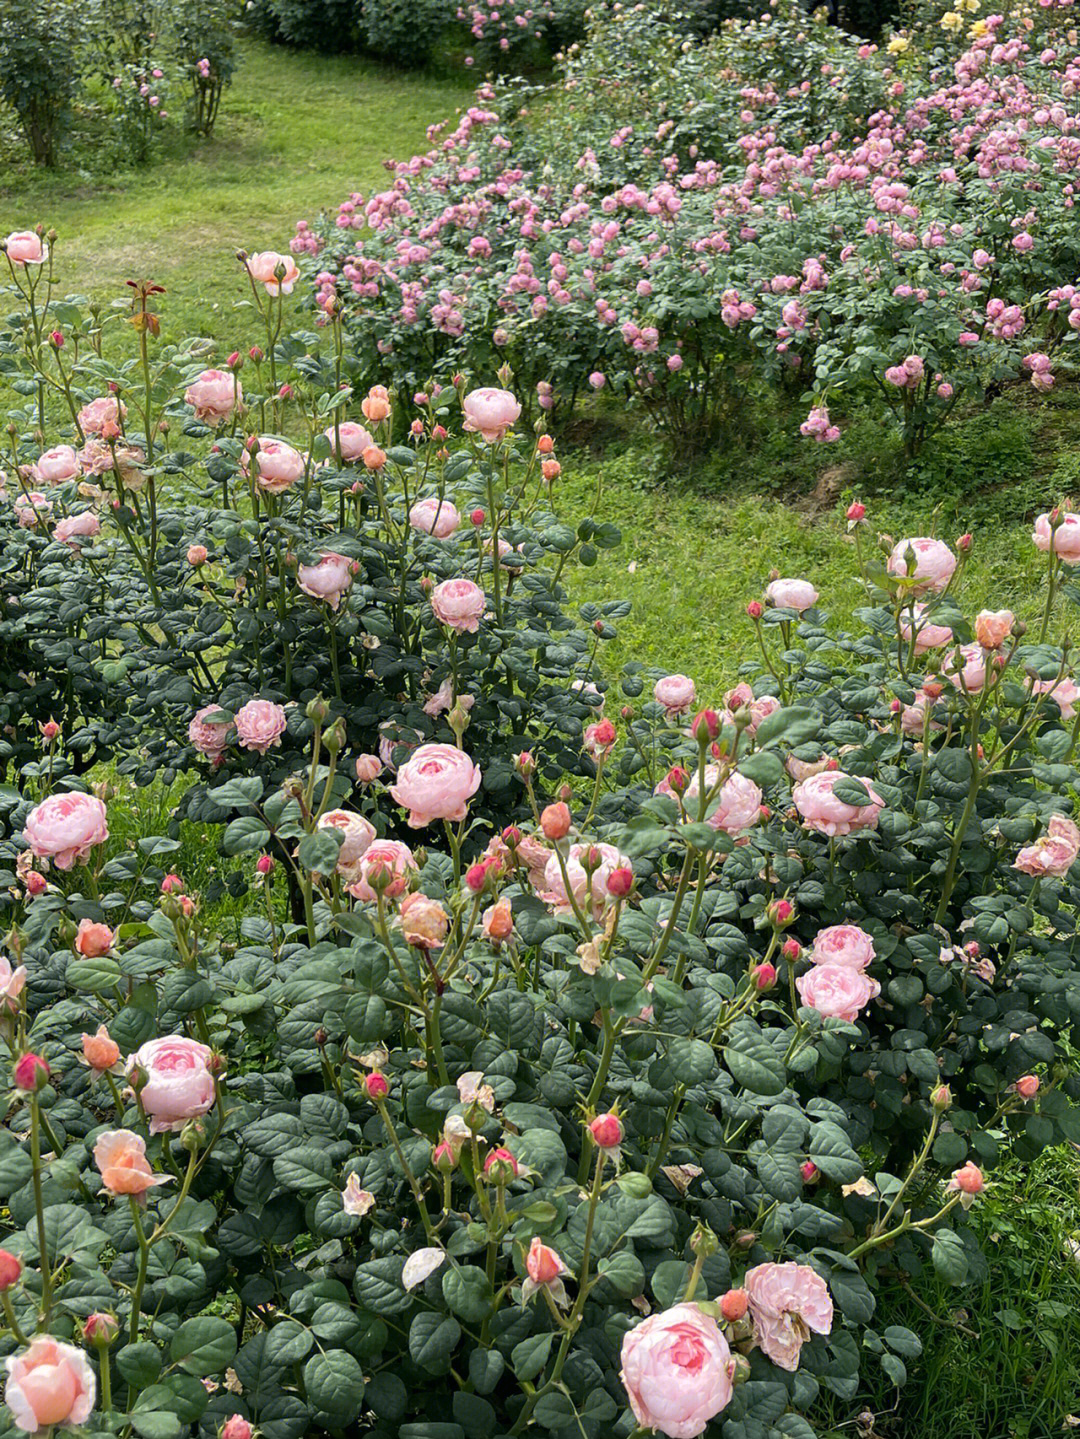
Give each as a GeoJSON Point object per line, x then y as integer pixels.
{"type": "Point", "coordinates": [205, 43]}
{"type": "Point", "coordinates": [607, 1057]}
{"type": "Point", "coordinates": [39, 72]}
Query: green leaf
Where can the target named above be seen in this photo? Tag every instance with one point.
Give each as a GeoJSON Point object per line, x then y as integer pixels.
{"type": "Point", "coordinates": [793, 724]}
{"type": "Point", "coordinates": [155, 1423]}
{"type": "Point", "coordinates": [529, 1357]}
{"type": "Point", "coordinates": [432, 1340]}
{"type": "Point", "coordinates": [319, 851]}
{"type": "Point", "coordinates": [139, 1364]}
{"type": "Point", "coordinates": [831, 1151]}
{"type": "Point", "coordinates": [949, 1256]}
{"type": "Point", "coordinates": [97, 976]}
{"type": "Point", "coordinates": [467, 1291]}
{"type": "Point", "coordinates": [752, 1060]}
{"type": "Point", "coordinates": [763, 767]}
{"type": "Point", "coordinates": [692, 1061]}
{"type": "Point", "coordinates": [204, 1345]}
{"type": "Point", "coordinates": [304, 1169]}
{"type": "Point", "coordinates": [287, 1343]}
{"type": "Point", "coordinates": [334, 1384]}
{"type": "Point", "coordinates": [244, 835]}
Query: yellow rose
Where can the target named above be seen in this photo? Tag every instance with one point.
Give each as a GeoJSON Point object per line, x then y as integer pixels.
{"type": "Point", "coordinates": [952, 21]}
{"type": "Point", "coordinates": [978, 30]}
{"type": "Point", "coordinates": [898, 45]}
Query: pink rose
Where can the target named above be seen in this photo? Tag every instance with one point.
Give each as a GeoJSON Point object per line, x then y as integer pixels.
{"type": "Point", "coordinates": [435, 516]}
{"type": "Point", "coordinates": [97, 458]}
{"type": "Point", "coordinates": [66, 827]}
{"type": "Point", "coordinates": [800, 769]}
{"type": "Point", "coordinates": [1062, 691]}
{"type": "Point", "coordinates": [354, 440]}
{"type": "Point", "coordinates": [93, 939]}
{"type": "Point", "coordinates": [677, 1369]}
{"type": "Point", "coordinates": [734, 808]}
{"type": "Point", "coordinates": [972, 673]}
{"type": "Point", "coordinates": [263, 265]}
{"type": "Point", "coordinates": [490, 413]}
{"type": "Point", "coordinates": [443, 699]}
{"type": "Point", "coordinates": [792, 595]}
{"type": "Point", "coordinates": [12, 983]}
{"type": "Point", "coordinates": [121, 1159]}
{"type": "Point", "coordinates": [436, 782]}
{"type": "Point", "coordinates": [210, 738]}
{"type": "Point", "coordinates": [424, 922]}
{"type": "Point", "coordinates": [25, 248]}
{"type": "Point", "coordinates": [55, 466]}
{"type": "Point", "coordinates": [1066, 537]}
{"type": "Point", "coordinates": [33, 510]}
{"type": "Point", "coordinates": [837, 991]}
{"type": "Point", "coordinates": [215, 395]}
{"type": "Point", "coordinates": [587, 893]}
{"type": "Point", "coordinates": [993, 628]}
{"type": "Point", "coordinates": [1053, 853]}
{"type": "Point", "coordinates": [459, 604]}
{"type": "Point", "coordinates": [49, 1383]}
{"type": "Point", "coordinates": [358, 833]}
{"type": "Point", "coordinates": [842, 944]}
{"type": "Point", "coordinates": [277, 465]}
{"type": "Point", "coordinates": [933, 567]}
{"type": "Point", "coordinates": [928, 636]}
{"type": "Point", "coordinates": [786, 1302]}
{"type": "Point", "coordinates": [81, 526]}
{"type": "Point", "coordinates": [820, 810]}
{"type": "Point", "coordinates": [260, 725]}
{"type": "Point", "coordinates": [385, 867]}
{"type": "Point", "coordinates": [105, 410]}
{"type": "Point", "coordinates": [368, 768]}
{"type": "Point", "coordinates": [179, 1085]}
{"type": "Point", "coordinates": [676, 693]}
{"type": "Point", "coordinates": [328, 580]}
{"type": "Point", "coordinates": [913, 716]}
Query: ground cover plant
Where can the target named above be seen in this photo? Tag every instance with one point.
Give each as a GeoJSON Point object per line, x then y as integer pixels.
{"type": "Point", "coordinates": [591, 1048]}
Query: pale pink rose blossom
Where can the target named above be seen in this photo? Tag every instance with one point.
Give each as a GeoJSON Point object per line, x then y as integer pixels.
{"type": "Point", "coordinates": [328, 580]}
{"type": "Point", "coordinates": [277, 465]}
{"type": "Point", "coordinates": [792, 595]}
{"type": "Point", "coordinates": [471, 1090]}
{"type": "Point", "coordinates": [33, 510]}
{"type": "Point", "coordinates": [83, 526]}
{"type": "Point", "coordinates": [459, 604]}
{"type": "Point", "coordinates": [972, 673]}
{"type": "Point", "coordinates": [587, 895]}
{"type": "Point", "coordinates": [210, 738]}
{"type": "Point", "coordinates": [24, 247]}
{"type": "Point", "coordinates": [843, 944]}
{"type": "Point", "coordinates": [1064, 692]}
{"type": "Point", "coordinates": [993, 628]}
{"type": "Point", "coordinates": [1053, 853]}
{"type": "Point", "coordinates": [913, 716]}
{"type": "Point", "coordinates": [105, 410]}
{"type": "Point", "coordinates": [368, 768]}
{"type": "Point", "coordinates": [490, 413]}
{"type": "Point", "coordinates": [55, 466]}
{"type": "Point", "coordinates": [66, 827]}
{"type": "Point", "coordinates": [435, 516]}
{"type": "Point", "coordinates": [260, 725]}
{"type": "Point", "coordinates": [443, 700]}
{"type": "Point", "coordinates": [120, 1156]}
{"type": "Point", "coordinates": [787, 1301]}
{"type": "Point", "coordinates": [179, 1084]}
{"type": "Point", "coordinates": [354, 440]}
{"type": "Point", "coordinates": [355, 1200]}
{"type": "Point", "coordinates": [264, 263]}
{"type": "Point", "coordinates": [928, 636]}
{"type": "Point", "coordinates": [528, 852]}
{"type": "Point", "coordinates": [734, 808]}
{"type": "Point", "coordinates": [436, 782]}
{"type": "Point", "coordinates": [933, 568]}
{"type": "Point", "coordinates": [800, 769]}
{"type": "Point", "coordinates": [214, 396]}
{"type": "Point", "coordinates": [1066, 537]}
{"type": "Point", "coordinates": [837, 991]}
{"type": "Point", "coordinates": [358, 835]}
{"type": "Point", "coordinates": [676, 693]}
{"type": "Point", "coordinates": [12, 983]}
{"type": "Point", "coordinates": [751, 709]}
{"type": "Point", "coordinates": [385, 867]}
{"type": "Point", "coordinates": [821, 811]}
{"type": "Point", "coordinates": [49, 1383]}
{"type": "Point", "coordinates": [677, 1369]}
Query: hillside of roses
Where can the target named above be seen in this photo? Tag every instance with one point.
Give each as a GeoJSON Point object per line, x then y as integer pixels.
{"type": "Point", "coordinates": [781, 211]}
{"type": "Point", "coordinates": [586, 1047]}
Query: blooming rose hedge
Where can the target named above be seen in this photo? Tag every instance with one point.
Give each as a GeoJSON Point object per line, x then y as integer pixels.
{"type": "Point", "coordinates": [614, 1035]}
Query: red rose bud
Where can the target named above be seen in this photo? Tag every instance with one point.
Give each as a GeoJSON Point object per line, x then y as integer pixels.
{"type": "Point", "coordinates": [265, 864]}
{"type": "Point", "coordinates": [791, 950]}
{"type": "Point", "coordinates": [438, 432]}
{"type": "Point", "coordinates": [555, 821]}
{"type": "Point", "coordinates": [856, 511]}
{"type": "Point", "coordinates": [525, 764]}
{"type": "Point", "coordinates": [35, 883]}
{"type": "Point", "coordinates": [620, 881]}
{"type": "Point", "coordinates": [443, 1157]}
{"type": "Point", "coordinates": [172, 883]}
{"type": "Point", "coordinates": [235, 361]}
{"type": "Point", "coordinates": [964, 543]}
{"type": "Point", "coordinates": [31, 1073]}
{"type": "Point", "coordinates": [476, 877]}
{"type": "Point", "coordinates": [236, 1427]}
{"type": "Point", "coordinates": [705, 726]}
{"type": "Point", "coordinates": [511, 836]}
{"type": "Point", "coordinates": [255, 353]}
{"type": "Point", "coordinates": [100, 1330]}
{"type": "Point", "coordinates": [734, 1304]}
{"type": "Point", "coordinates": [764, 977]}
{"type": "Point", "coordinates": [477, 518]}
{"type": "Point", "coordinates": [10, 1270]}
{"type": "Point", "coordinates": [501, 1166]}
{"type": "Point", "coordinates": [605, 733]}
{"type": "Point", "coordinates": [755, 609]}
{"type": "Point", "coordinates": [941, 1098]}
{"type": "Point", "coordinates": [56, 339]}
{"type": "Point", "coordinates": [780, 912]}
{"type": "Point", "coordinates": [375, 1085]}
{"type": "Point", "coordinates": [809, 1171]}
{"type": "Point", "coordinates": [607, 1130]}
{"type": "Point", "coordinates": [1027, 1087]}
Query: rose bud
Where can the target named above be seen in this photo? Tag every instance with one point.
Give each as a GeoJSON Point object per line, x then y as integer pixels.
{"type": "Point", "coordinates": [545, 444]}
{"type": "Point", "coordinates": [525, 764]}
{"type": "Point", "coordinates": [443, 1157]}
{"type": "Point", "coordinates": [100, 1329]}
{"type": "Point", "coordinates": [501, 1166]}
{"type": "Point", "coordinates": [964, 543]}
{"type": "Point", "coordinates": [856, 511]}
{"type": "Point", "coordinates": [100, 1050]}
{"type": "Point", "coordinates": [375, 1085]}
{"type": "Point", "coordinates": [809, 1171]}
{"type": "Point", "coordinates": [764, 977]}
{"type": "Point", "coordinates": [968, 1180]}
{"type": "Point", "coordinates": [50, 730]}
{"type": "Point", "coordinates": [265, 864]}
{"type": "Point", "coordinates": [511, 836]}
{"type": "Point", "coordinates": [550, 469]}
{"type": "Point", "coordinates": [1027, 1087]}
{"type": "Point", "coordinates": [705, 726]}
{"type": "Point", "coordinates": [196, 555]}
{"type": "Point", "coordinates": [791, 949]}
{"type": "Point", "coordinates": [780, 913]}
{"type": "Point", "coordinates": [476, 877]}
{"type": "Point", "coordinates": [31, 1073]}
{"type": "Point", "coordinates": [555, 821]}
{"type": "Point", "coordinates": [93, 940]}
{"type": "Point", "coordinates": [236, 1427]}
{"type": "Point", "coordinates": [755, 609]}
{"type": "Point", "coordinates": [10, 1270]}
{"type": "Point", "coordinates": [368, 768]}
{"type": "Point", "coordinates": [35, 883]}
{"type": "Point", "coordinates": [542, 1264]}
{"type": "Point", "coordinates": [607, 1130]}
{"type": "Point", "coordinates": [171, 883]}
{"type": "Point", "coordinates": [477, 518]}
{"type": "Point", "coordinates": [620, 881]}
{"type": "Point", "coordinates": [941, 1099]}
{"type": "Point", "coordinates": [745, 1239]}
{"type": "Point", "coordinates": [734, 1304]}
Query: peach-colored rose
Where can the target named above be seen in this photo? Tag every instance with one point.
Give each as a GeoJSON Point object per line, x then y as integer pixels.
{"type": "Point", "coordinates": [544, 1269]}
{"type": "Point", "coordinates": [497, 924]}
{"type": "Point", "coordinates": [210, 737]}
{"type": "Point", "coordinates": [100, 1050]}
{"type": "Point", "coordinates": [837, 991]}
{"type": "Point", "coordinates": [358, 835]}
{"type": "Point", "coordinates": [787, 1301]}
{"type": "Point", "coordinates": [424, 922]}
{"type": "Point", "coordinates": [800, 769]}
{"type": "Point", "coordinates": [435, 516]}
{"type": "Point", "coordinates": [66, 827]}
{"type": "Point", "coordinates": [263, 266]}
{"type": "Point", "coordinates": [328, 580]}
{"type": "Point", "coordinates": [444, 699]}
{"type": "Point", "coordinates": [49, 1383]}
{"type": "Point", "coordinates": [993, 628]}
{"type": "Point", "coordinates": [83, 526]}
{"type": "Point", "coordinates": [928, 636]}
{"type": "Point", "coordinates": [106, 410]}
{"type": "Point", "coordinates": [214, 396]}
{"type": "Point", "coordinates": [179, 1086]}
{"type": "Point", "coordinates": [354, 440]}
{"type": "Point", "coordinates": [92, 939]}
{"type": "Point", "coordinates": [436, 782]}
{"type": "Point", "coordinates": [528, 852]}
{"type": "Point", "coordinates": [120, 1155]}
{"type": "Point", "coordinates": [490, 413]}
{"type": "Point", "coordinates": [260, 725]}
{"type": "Point", "coordinates": [459, 604]}
{"type": "Point", "coordinates": [128, 461]}
{"type": "Point", "coordinates": [588, 894]}
{"type": "Point", "coordinates": [821, 811]}
{"type": "Point", "coordinates": [792, 595]}
{"type": "Point", "coordinates": [677, 1369]}
{"type": "Point", "coordinates": [933, 566]}
{"type": "Point", "coordinates": [1066, 537]}
{"type": "Point", "coordinates": [277, 465]}
{"type": "Point", "coordinates": [843, 944]}
{"type": "Point", "coordinates": [676, 693]}
{"type": "Point", "coordinates": [24, 247]}
{"type": "Point", "coordinates": [55, 466]}
{"type": "Point", "coordinates": [385, 867]}
{"type": "Point", "coordinates": [33, 510]}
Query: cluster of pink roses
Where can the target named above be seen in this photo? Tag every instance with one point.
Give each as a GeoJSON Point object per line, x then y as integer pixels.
{"type": "Point", "coordinates": [258, 726]}
{"type": "Point", "coordinates": [836, 985]}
